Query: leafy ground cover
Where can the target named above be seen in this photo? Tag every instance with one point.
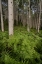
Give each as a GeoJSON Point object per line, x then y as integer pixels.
{"type": "Point", "coordinates": [21, 48]}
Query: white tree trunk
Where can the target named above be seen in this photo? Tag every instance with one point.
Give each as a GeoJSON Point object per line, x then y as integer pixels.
{"type": "Point", "coordinates": [39, 18]}
{"type": "Point", "coordinates": [11, 20]}
{"type": "Point", "coordinates": [29, 15]}
{"type": "Point", "coordinates": [28, 18]}
{"type": "Point", "coordinates": [2, 23]}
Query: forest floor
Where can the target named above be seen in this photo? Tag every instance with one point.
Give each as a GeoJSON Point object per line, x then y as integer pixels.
{"type": "Point", "coordinates": [22, 48]}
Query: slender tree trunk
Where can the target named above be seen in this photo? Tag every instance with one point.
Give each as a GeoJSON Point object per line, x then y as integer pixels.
{"type": "Point", "coordinates": [2, 23]}
{"type": "Point", "coordinates": [28, 19]}
{"type": "Point", "coordinates": [36, 23]}
{"type": "Point", "coordinates": [23, 18]}
{"type": "Point", "coordinates": [11, 20]}
{"type": "Point", "coordinates": [39, 18]}
{"type": "Point", "coordinates": [28, 26]}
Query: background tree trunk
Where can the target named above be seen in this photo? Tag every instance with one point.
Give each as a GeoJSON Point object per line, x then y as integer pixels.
{"type": "Point", "coordinates": [28, 19]}
{"type": "Point", "coordinates": [2, 23]}
{"type": "Point", "coordinates": [28, 29]}
{"type": "Point", "coordinates": [39, 18]}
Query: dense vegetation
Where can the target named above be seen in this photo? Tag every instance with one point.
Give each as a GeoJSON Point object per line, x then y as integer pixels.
{"type": "Point", "coordinates": [22, 48]}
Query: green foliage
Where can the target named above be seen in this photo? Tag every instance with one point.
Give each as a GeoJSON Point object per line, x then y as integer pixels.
{"type": "Point", "coordinates": [21, 48]}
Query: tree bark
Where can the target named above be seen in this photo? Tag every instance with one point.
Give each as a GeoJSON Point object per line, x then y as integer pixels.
{"type": "Point", "coordinates": [39, 18]}
{"type": "Point", "coordinates": [11, 20]}
{"type": "Point", "coordinates": [28, 26]}
{"type": "Point", "coordinates": [28, 18]}
{"type": "Point", "coordinates": [2, 23]}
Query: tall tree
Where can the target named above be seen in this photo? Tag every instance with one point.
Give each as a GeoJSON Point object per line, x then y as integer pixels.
{"type": "Point", "coordinates": [28, 18]}
{"type": "Point", "coordinates": [39, 16]}
{"type": "Point", "coordinates": [10, 18]}
{"type": "Point", "coordinates": [2, 23]}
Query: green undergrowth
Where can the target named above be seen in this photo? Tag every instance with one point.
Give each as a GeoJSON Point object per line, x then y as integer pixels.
{"type": "Point", "coordinates": [21, 48]}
